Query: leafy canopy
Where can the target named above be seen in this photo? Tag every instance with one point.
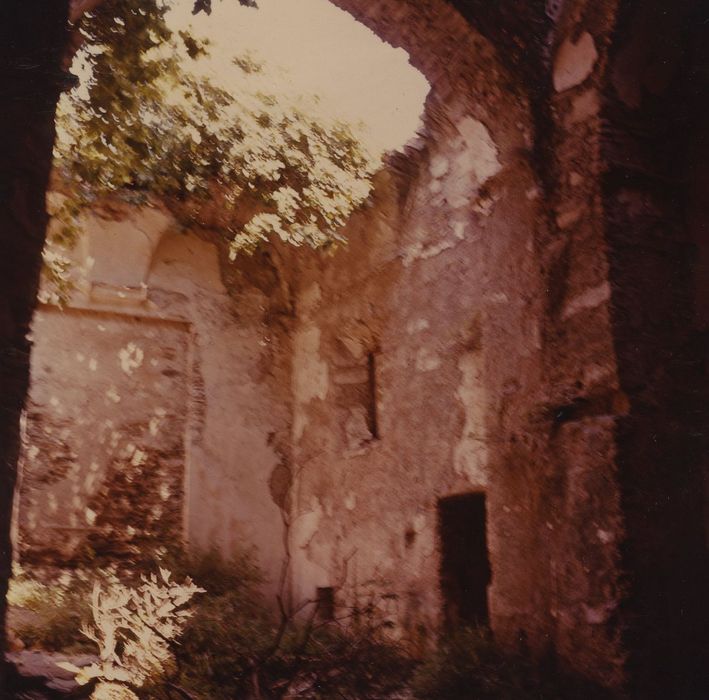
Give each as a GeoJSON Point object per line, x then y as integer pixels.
{"type": "Point", "coordinates": [249, 164]}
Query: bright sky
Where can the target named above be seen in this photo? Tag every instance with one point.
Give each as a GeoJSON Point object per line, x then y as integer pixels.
{"type": "Point", "coordinates": [312, 47]}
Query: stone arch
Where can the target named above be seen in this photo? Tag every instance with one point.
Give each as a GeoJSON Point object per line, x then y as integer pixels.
{"type": "Point", "coordinates": [573, 467]}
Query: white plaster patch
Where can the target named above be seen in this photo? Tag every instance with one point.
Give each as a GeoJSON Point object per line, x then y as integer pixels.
{"type": "Point", "coordinates": [300, 422]}
{"type": "Point", "coordinates": [574, 62]}
{"type": "Point", "coordinates": [421, 251]}
{"type": "Point", "coordinates": [471, 455]}
{"type": "Point", "coordinates": [305, 526]}
{"type": "Point", "coordinates": [482, 153]}
{"type": "Point", "coordinates": [459, 228]}
{"type": "Point", "coordinates": [138, 457]}
{"type": "Point", "coordinates": [590, 299]}
{"type": "Point", "coordinates": [427, 360]}
{"type": "Point", "coordinates": [311, 373]}
{"type": "Point", "coordinates": [438, 166]}
{"type": "Point", "coordinates": [484, 206]}
{"type": "Point", "coordinates": [418, 325]}
{"type": "Point", "coordinates": [131, 358]}
{"type": "Point", "coordinates": [310, 299]}
{"type": "Point", "coordinates": [154, 426]}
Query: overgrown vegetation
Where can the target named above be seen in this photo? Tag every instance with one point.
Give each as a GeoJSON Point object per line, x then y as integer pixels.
{"type": "Point", "coordinates": [468, 664]}
{"type": "Point", "coordinates": [48, 612]}
{"type": "Point", "coordinates": [237, 646]}
{"type": "Point", "coordinates": [134, 629]}
{"type": "Point", "coordinates": [249, 165]}
{"type": "Point", "coordinates": [232, 644]}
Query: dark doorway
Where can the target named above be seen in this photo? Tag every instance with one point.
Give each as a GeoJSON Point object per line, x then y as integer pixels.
{"type": "Point", "coordinates": [465, 567]}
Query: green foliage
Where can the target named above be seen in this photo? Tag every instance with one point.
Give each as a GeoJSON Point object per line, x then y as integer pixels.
{"type": "Point", "coordinates": [146, 125]}
{"type": "Point", "coordinates": [230, 626]}
{"type": "Point", "coordinates": [470, 666]}
{"type": "Point", "coordinates": [356, 663]}
{"type": "Point", "coordinates": [134, 628]}
{"type": "Point", "coordinates": [50, 615]}
{"type": "Point", "coordinates": [236, 643]}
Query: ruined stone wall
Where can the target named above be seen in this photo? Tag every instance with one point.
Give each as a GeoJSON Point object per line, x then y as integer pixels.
{"type": "Point", "coordinates": [104, 456]}
{"type": "Point", "coordinates": [478, 289]}
{"type": "Point", "coordinates": [517, 313]}
{"type": "Point", "coordinates": [587, 360]}
{"type": "Point", "coordinates": [155, 417]}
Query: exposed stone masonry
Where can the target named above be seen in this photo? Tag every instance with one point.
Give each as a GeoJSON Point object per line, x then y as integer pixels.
{"type": "Point", "coordinates": [517, 315]}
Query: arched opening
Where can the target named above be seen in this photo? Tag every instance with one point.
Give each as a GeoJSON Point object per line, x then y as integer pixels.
{"type": "Point", "coordinates": [489, 328]}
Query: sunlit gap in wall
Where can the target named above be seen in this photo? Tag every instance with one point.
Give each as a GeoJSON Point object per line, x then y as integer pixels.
{"type": "Point", "coordinates": [313, 48]}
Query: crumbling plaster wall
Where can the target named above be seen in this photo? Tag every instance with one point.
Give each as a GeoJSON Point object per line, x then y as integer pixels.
{"type": "Point", "coordinates": [104, 454]}
{"type": "Point", "coordinates": [491, 301]}
{"type": "Point", "coordinates": [483, 295]}
{"type": "Point", "coordinates": [154, 416]}
{"type": "Point", "coordinates": [595, 474]}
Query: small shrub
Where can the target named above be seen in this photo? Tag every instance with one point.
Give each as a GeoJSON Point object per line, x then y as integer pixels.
{"type": "Point", "coordinates": [231, 625]}
{"type": "Point", "coordinates": [134, 628]}
{"type": "Point", "coordinates": [356, 664]}
{"type": "Point", "coordinates": [113, 691]}
{"type": "Point", "coordinates": [50, 615]}
{"type": "Point", "coordinates": [470, 666]}
{"type": "Point", "coordinates": [238, 645]}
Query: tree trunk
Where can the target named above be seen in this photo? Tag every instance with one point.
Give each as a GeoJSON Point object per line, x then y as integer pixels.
{"type": "Point", "coordinates": [32, 37]}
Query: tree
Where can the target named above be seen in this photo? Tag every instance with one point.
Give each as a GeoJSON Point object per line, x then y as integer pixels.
{"type": "Point", "coordinates": [33, 43]}
{"type": "Point", "coordinates": [146, 125]}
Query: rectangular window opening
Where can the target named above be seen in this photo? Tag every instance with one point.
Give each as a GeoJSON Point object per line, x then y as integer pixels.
{"type": "Point", "coordinates": [465, 572]}
{"type": "Point", "coordinates": [372, 416]}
